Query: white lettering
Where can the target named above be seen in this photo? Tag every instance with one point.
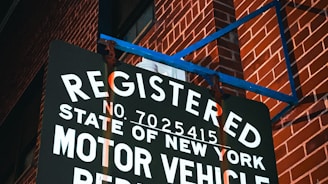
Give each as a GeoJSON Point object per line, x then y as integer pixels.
{"type": "Point", "coordinates": [161, 94]}
{"type": "Point", "coordinates": [212, 111]}
{"type": "Point", "coordinates": [92, 120]}
{"type": "Point", "coordinates": [230, 123]}
{"type": "Point", "coordinates": [77, 176]}
{"type": "Point", "coordinates": [175, 95]}
{"type": "Point", "coordinates": [170, 170]}
{"type": "Point", "coordinates": [201, 177]}
{"type": "Point", "coordinates": [141, 86]}
{"type": "Point", "coordinates": [142, 159]}
{"type": "Point", "coordinates": [95, 85]}
{"type": "Point", "coordinates": [120, 150]}
{"type": "Point", "coordinates": [191, 102]}
{"type": "Point", "coordinates": [261, 179]}
{"type": "Point", "coordinates": [250, 129]}
{"type": "Point", "coordinates": [116, 127]}
{"type": "Point", "coordinates": [74, 88]}
{"type": "Point", "coordinates": [184, 173]}
{"type": "Point", "coordinates": [65, 112]}
{"type": "Point", "coordinates": [105, 153]}
{"type": "Point", "coordinates": [89, 157]}
{"type": "Point", "coordinates": [185, 145]}
{"type": "Point", "coordinates": [64, 142]}
{"type": "Point", "coordinates": [128, 85]}
{"type": "Point", "coordinates": [102, 177]}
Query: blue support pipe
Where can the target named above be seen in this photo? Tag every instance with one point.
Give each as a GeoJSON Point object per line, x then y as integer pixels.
{"type": "Point", "coordinates": [190, 67]}
{"type": "Point", "coordinates": [285, 49]}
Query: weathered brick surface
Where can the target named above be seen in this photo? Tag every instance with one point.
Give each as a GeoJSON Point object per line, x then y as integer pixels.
{"type": "Point", "coordinates": [300, 136]}
{"type": "Point", "coordinates": [182, 23]}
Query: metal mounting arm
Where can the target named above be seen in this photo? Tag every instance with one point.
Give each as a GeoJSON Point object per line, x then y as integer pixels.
{"type": "Point", "coordinates": [177, 62]}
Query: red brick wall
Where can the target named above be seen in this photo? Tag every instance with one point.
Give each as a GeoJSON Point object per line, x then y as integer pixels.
{"type": "Point", "coordinates": [301, 136]}
{"type": "Point", "coordinates": [25, 44]}
{"type": "Point", "coordinates": [178, 25]}
{"type": "Point", "coordinates": [182, 23]}
{"type": "Point", "coordinates": [228, 45]}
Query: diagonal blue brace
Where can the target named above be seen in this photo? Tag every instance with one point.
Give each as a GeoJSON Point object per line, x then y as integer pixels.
{"type": "Point", "coordinates": [190, 67]}
{"type": "Point", "coordinates": [222, 31]}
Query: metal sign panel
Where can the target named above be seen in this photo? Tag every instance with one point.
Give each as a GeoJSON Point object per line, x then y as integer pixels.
{"type": "Point", "coordinates": [135, 126]}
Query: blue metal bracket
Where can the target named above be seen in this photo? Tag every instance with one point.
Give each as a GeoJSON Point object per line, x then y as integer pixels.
{"type": "Point", "coordinates": [175, 60]}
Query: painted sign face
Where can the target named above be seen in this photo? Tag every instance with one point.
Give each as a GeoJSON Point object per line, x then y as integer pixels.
{"type": "Point", "coordinates": [134, 126]}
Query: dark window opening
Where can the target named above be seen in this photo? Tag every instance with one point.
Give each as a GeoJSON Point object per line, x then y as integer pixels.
{"type": "Point", "coordinates": [128, 20]}
{"type": "Point", "coordinates": [19, 131]}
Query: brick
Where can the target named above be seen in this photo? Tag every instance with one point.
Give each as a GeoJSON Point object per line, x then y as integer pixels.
{"type": "Point", "coordinates": [311, 84]}
{"type": "Point", "coordinates": [293, 14]}
{"type": "Point", "coordinates": [307, 164]}
{"type": "Point", "coordinates": [182, 12]}
{"type": "Point", "coordinates": [272, 23]}
{"type": "Point", "coordinates": [302, 77]}
{"type": "Point", "coordinates": [256, 5]}
{"type": "Point", "coordinates": [194, 23]}
{"type": "Point", "coordinates": [298, 114]}
{"type": "Point", "coordinates": [282, 136]}
{"type": "Point", "coordinates": [275, 46]}
{"type": "Point", "coordinates": [318, 108]}
{"type": "Point", "coordinates": [245, 38]}
{"type": "Point", "coordinates": [304, 180]}
{"type": "Point", "coordinates": [309, 56]}
{"type": "Point", "coordinates": [227, 10]}
{"type": "Point", "coordinates": [195, 10]}
{"type": "Point", "coordinates": [320, 139]}
{"type": "Point", "coordinates": [300, 37]}
{"type": "Point", "coordinates": [279, 68]}
{"type": "Point", "coordinates": [316, 37]}
{"type": "Point", "coordinates": [245, 49]}
{"type": "Point", "coordinates": [277, 109]}
{"type": "Point", "coordinates": [317, 22]}
{"type": "Point", "coordinates": [267, 79]}
{"type": "Point", "coordinates": [220, 15]}
{"type": "Point", "coordinates": [319, 63]}
{"type": "Point", "coordinates": [279, 81]}
{"type": "Point", "coordinates": [321, 90]}
{"type": "Point", "coordinates": [285, 178]}
{"type": "Point", "coordinates": [252, 79]}
{"type": "Point", "coordinates": [307, 18]}
{"type": "Point", "coordinates": [206, 20]}
{"type": "Point", "coordinates": [320, 173]}
{"type": "Point", "coordinates": [268, 65]}
{"type": "Point", "coordinates": [228, 44]}
{"type": "Point", "coordinates": [271, 102]}
{"type": "Point", "coordinates": [225, 52]}
{"type": "Point", "coordinates": [266, 41]}
{"type": "Point", "coordinates": [264, 19]}
{"type": "Point", "coordinates": [257, 63]}
{"type": "Point", "coordinates": [248, 59]}
{"type": "Point", "coordinates": [242, 7]}
{"type": "Point", "coordinates": [325, 41]}
{"type": "Point", "coordinates": [324, 119]}
{"type": "Point", "coordinates": [280, 152]}
{"type": "Point", "coordinates": [291, 159]}
{"type": "Point", "coordinates": [301, 136]}
{"type": "Point", "coordinates": [298, 126]}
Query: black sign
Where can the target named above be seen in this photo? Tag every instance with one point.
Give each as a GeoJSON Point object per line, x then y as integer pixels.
{"type": "Point", "coordinates": [134, 126]}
